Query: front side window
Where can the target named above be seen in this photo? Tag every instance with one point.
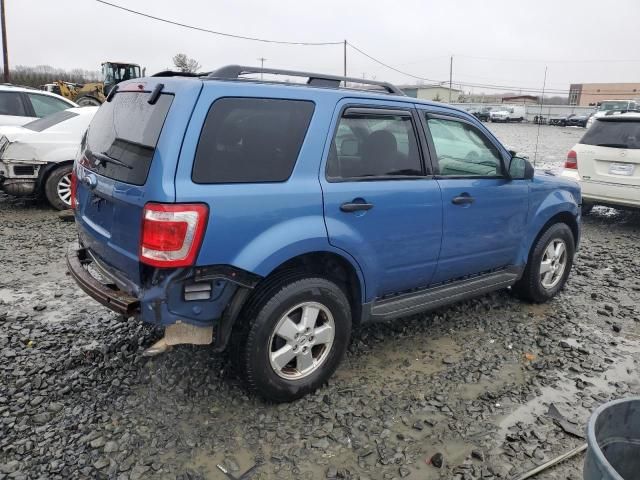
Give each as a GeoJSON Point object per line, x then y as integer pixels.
{"type": "Point", "coordinates": [374, 145]}
{"type": "Point", "coordinates": [463, 150]}
{"type": "Point", "coordinates": [44, 105]}
{"type": "Point", "coordinates": [251, 140]}
{"type": "Point", "coordinates": [11, 104]}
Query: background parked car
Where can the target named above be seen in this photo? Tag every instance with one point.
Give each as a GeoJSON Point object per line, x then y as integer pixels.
{"type": "Point", "coordinates": [572, 120]}
{"type": "Point", "coordinates": [606, 162]}
{"type": "Point", "coordinates": [510, 113]}
{"type": "Point", "coordinates": [613, 107]}
{"type": "Point", "coordinates": [38, 157]}
{"type": "Point", "coordinates": [481, 114]}
{"type": "Point", "coordinates": [20, 105]}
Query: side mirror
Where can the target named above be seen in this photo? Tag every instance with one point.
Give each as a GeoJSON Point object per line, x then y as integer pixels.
{"type": "Point", "coordinates": [520, 169]}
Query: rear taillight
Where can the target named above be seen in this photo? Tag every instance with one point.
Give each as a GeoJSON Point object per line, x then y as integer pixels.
{"type": "Point", "coordinates": [172, 233]}
{"type": "Point", "coordinates": [572, 160]}
{"type": "Point", "coordinates": [74, 188]}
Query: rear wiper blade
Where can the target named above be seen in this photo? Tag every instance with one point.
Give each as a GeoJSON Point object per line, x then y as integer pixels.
{"type": "Point", "coordinates": [104, 158]}
{"type": "Point", "coordinates": [613, 145]}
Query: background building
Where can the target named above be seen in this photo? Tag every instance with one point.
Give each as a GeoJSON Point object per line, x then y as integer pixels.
{"type": "Point", "coordinates": [436, 93]}
{"type": "Point", "coordinates": [585, 94]}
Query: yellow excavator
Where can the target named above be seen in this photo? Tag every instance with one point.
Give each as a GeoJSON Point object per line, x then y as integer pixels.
{"type": "Point", "coordinates": [95, 93]}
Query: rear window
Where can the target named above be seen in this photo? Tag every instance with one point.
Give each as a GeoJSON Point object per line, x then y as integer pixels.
{"type": "Point", "coordinates": [619, 133]}
{"type": "Point", "coordinates": [122, 137]}
{"type": "Point", "coordinates": [49, 121]}
{"type": "Point", "coordinates": [251, 140]}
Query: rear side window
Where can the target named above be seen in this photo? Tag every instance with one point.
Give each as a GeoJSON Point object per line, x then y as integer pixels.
{"type": "Point", "coordinates": [11, 104]}
{"type": "Point", "coordinates": [122, 137]}
{"type": "Point", "coordinates": [251, 140]}
{"type": "Point", "coordinates": [622, 133]}
{"type": "Point", "coordinates": [49, 121]}
{"type": "Point", "coordinates": [372, 144]}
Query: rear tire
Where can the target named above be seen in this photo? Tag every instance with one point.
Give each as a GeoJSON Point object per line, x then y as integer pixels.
{"type": "Point", "coordinates": [549, 264]}
{"type": "Point", "coordinates": [57, 187]}
{"type": "Point", "coordinates": [292, 336]}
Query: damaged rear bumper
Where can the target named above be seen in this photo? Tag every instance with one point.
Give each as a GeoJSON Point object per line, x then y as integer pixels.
{"type": "Point", "coordinates": [165, 302]}
{"type": "Point", "coordinates": [107, 294]}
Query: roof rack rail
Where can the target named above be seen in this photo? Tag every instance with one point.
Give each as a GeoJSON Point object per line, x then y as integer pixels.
{"type": "Point", "coordinates": [171, 73]}
{"type": "Point", "coordinates": [233, 72]}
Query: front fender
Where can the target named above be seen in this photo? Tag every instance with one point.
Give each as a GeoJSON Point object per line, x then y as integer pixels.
{"type": "Point", "coordinates": [287, 240]}
{"type": "Point", "coordinates": [550, 204]}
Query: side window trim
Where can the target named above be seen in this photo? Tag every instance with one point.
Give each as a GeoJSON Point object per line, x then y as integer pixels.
{"type": "Point", "coordinates": [26, 104]}
{"type": "Point", "coordinates": [363, 109]}
{"type": "Point", "coordinates": [426, 115]}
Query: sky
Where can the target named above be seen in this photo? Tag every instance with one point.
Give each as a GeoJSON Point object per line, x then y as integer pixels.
{"type": "Point", "coordinates": [494, 42]}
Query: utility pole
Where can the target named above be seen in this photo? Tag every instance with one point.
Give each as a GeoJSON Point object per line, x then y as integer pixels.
{"type": "Point", "coordinates": [450, 77]}
{"type": "Point", "coordinates": [262, 59]}
{"type": "Point", "coordinates": [345, 61]}
{"type": "Point", "coordinates": [5, 51]}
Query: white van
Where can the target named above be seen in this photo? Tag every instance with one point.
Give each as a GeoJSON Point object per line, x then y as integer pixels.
{"type": "Point", "coordinates": [507, 113]}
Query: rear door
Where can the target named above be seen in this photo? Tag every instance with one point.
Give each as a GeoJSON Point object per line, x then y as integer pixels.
{"type": "Point", "coordinates": [125, 162]}
{"type": "Point", "coordinates": [381, 204]}
{"type": "Point", "coordinates": [484, 212]}
{"type": "Point", "coordinates": [610, 151]}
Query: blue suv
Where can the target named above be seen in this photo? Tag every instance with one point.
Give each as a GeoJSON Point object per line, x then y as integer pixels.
{"type": "Point", "coordinates": [273, 217]}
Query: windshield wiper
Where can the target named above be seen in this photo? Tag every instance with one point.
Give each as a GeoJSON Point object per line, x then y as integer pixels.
{"type": "Point", "coordinates": [613, 145]}
{"type": "Point", "coordinates": [104, 158]}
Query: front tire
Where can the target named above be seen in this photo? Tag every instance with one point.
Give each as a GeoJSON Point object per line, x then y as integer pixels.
{"type": "Point", "coordinates": [586, 208]}
{"type": "Point", "coordinates": [294, 334]}
{"type": "Point", "coordinates": [57, 187]}
{"type": "Point", "coordinates": [549, 264]}
{"type": "Point", "coordinates": [88, 101]}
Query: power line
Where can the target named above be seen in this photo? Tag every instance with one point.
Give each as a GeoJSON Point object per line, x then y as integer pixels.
{"type": "Point", "coordinates": [392, 68]}
{"type": "Point", "coordinates": [214, 32]}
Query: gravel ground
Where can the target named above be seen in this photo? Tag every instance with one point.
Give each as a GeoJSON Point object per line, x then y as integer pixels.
{"type": "Point", "coordinates": [473, 382]}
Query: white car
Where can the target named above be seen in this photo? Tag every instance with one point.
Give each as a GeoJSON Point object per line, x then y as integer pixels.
{"type": "Point", "coordinates": [613, 107]}
{"type": "Point", "coordinates": [38, 157]}
{"type": "Point", "coordinates": [606, 162]}
{"type": "Point", "coordinates": [20, 105]}
{"type": "Point", "coordinates": [510, 113]}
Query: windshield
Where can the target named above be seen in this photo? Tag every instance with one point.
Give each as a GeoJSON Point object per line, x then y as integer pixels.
{"type": "Point", "coordinates": [616, 105]}
{"type": "Point", "coordinates": [622, 133]}
{"type": "Point", "coordinates": [50, 120]}
{"type": "Point", "coordinates": [120, 72]}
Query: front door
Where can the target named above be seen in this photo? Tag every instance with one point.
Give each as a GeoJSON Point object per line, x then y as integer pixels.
{"type": "Point", "coordinates": [382, 206]}
{"type": "Point", "coordinates": [484, 211]}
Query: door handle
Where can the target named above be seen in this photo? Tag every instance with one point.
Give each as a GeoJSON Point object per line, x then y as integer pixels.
{"type": "Point", "coordinates": [350, 207]}
{"type": "Point", "coordinates": [464, 199]}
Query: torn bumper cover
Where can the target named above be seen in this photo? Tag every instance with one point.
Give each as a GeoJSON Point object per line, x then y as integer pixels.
{"type": "Point", "coordinates": [170, 301]}
{"type": "Point", "coordinates": [106, 294]}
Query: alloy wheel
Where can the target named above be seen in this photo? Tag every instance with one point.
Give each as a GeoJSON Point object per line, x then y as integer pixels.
{"type": "Point", "coordinates": [301, 340]}
{"type": "Point", "coordinates": [553, 264]}
{"type": "Point", "coordinates": [64, 189]}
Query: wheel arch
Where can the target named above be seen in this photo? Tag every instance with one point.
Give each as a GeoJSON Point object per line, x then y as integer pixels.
{"type": "Point", "coordinates": [565, 217]}
{"type": "Point", "coordinates": [332, 266]}
{"type": "Point", "coordinates": [48, 169]}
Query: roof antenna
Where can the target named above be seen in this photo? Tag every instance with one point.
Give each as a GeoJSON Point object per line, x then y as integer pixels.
{"type": "Point", "coordinates": [544, 84]}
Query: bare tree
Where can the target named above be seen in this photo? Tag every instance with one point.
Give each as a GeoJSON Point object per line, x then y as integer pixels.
{"type": "Point", "coordinates": [186, 64]}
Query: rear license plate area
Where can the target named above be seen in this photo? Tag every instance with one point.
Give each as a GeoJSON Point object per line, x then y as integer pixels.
{"type": "Point", "coordinates": [98, 213]}
{"type": "Point", "coordinates": [621, 169]}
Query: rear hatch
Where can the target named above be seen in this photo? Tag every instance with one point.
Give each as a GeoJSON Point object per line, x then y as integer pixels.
{"type": "Point", "coordinates": [610, 151]}
{"type": "Point", "coordinates": [128, 158]}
